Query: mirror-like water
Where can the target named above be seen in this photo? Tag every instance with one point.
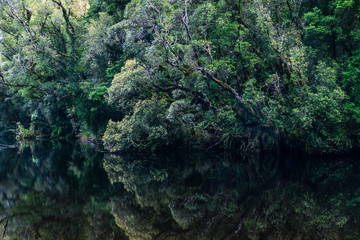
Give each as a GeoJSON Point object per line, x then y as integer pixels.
{"type": "Point", "coordinates": [55, 191]}
{"type": "Point", "coordinates": [66, 191]}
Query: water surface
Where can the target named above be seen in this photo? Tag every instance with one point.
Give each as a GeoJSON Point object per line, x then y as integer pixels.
{"type": "Point", "coordinates": [71, 191]}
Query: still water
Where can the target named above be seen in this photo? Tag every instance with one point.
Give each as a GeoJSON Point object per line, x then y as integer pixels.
{"type": "Point", "coordinates": [71, 191]}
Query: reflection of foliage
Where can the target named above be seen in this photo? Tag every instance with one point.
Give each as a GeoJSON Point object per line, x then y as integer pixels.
{"type": "Point", "coordinates": [194, 196]}
{"type": "Point", "coordinates": [295, 212]}
{"type": "Point", "coordinates": [44, 217]}
{"type": "Point", "coordinates": [177, 197]}
{"type": "Point", "coordinates": [41, 199]}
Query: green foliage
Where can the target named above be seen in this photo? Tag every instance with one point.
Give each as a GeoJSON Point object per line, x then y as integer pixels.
{"type": "Point", "coordinates": [23, 133]}
{"type": "Point", "coordinates": [129, 86]}
{"type": "Point", "coordinates": [146, 128]}
{"type": "Point", "coordinates": [239, 75]}
{"type": "Point", "coordinates": [322, 118]}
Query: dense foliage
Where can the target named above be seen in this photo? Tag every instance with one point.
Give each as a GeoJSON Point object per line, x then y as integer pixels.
{"type": "Point", "coordinates": [149, 74]}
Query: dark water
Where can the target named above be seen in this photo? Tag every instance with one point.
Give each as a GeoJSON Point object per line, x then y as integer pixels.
{"type": "Point", "coordinates": [70, 191]}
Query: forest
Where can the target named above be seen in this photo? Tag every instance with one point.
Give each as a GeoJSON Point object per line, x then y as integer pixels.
{"type": "Point", "coordinates": [152, 75]}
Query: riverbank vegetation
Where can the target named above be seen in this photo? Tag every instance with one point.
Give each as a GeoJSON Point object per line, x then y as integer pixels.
{"type": "Point", "coordinates": [146, 75]}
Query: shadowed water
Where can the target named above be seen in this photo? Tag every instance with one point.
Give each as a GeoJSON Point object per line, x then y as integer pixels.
{"type": "Point", "coordinates": [70, 191]}
{"type": "Point", "coordinates": [55, 191]}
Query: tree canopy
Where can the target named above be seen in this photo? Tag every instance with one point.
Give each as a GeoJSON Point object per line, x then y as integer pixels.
{"type": "Point", "coordinates": [148, 75]}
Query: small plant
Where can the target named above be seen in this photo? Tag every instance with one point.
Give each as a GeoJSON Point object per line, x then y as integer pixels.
{"type": "Point", "coordinates": [24, 133]}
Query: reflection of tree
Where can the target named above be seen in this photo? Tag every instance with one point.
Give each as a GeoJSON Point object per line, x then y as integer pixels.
{"type": "Point", "coordinates": [42, 217]}
{"type": "Point", "coordinates": [58, 191]}
{"type": "Point", "coordinates": [198, 197]}
{"type": "Point", "coordinates": [186, 196]}
{"type": "Point", "coordinates": [41, 198]}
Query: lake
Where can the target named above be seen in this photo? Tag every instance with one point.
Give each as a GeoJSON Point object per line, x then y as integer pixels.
{"type": "Point", "coordinates": [53, 190]}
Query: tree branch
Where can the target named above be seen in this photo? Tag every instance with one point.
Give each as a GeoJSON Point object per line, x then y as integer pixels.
{"type": "Point", "coordinates": [224, 85]}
